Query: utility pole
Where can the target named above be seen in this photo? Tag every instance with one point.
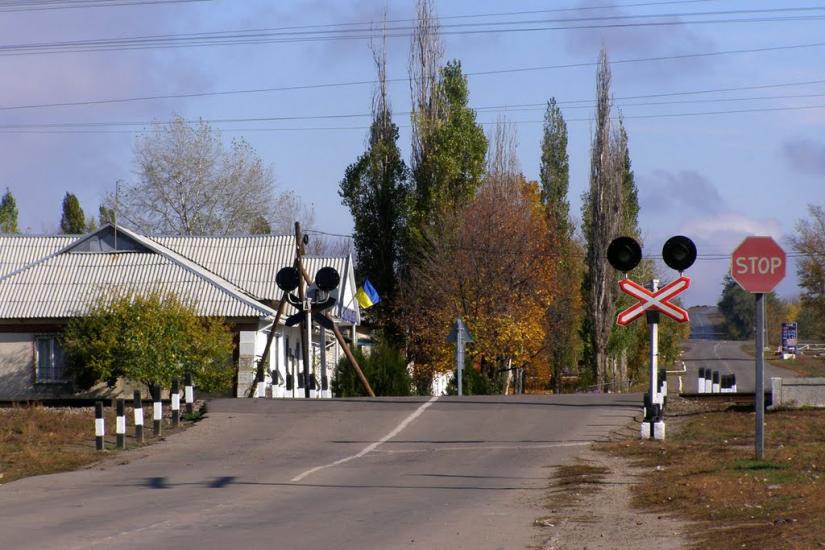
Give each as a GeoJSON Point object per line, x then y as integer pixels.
{"type": "Point", "coordinates": [306, 324]}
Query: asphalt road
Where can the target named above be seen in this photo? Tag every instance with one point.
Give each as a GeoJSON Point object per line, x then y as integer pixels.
{"type": "Point", "coordinates": [705, 349]}
{"type": "Point", "coordinates": [405, 473]}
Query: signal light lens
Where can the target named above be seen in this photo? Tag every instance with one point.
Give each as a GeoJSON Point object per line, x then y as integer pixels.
{"type": "Point", "coordinates": [624, 253]}
{"type": "Point", "coordinates": [287, 279]}
{"type": "Point", "coordinates": [679, 253]}
{"type": "Point", "coordinates": [327, 279]}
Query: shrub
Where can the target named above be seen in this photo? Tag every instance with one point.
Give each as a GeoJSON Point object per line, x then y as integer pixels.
{"type": "Point", "coordinates": [385, 368]}
{"type": "Point", "coordinates": [150, 339]}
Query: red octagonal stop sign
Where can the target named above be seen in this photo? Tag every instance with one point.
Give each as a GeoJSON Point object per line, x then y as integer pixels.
{"type": "Point", "coordinates": [758, 264]}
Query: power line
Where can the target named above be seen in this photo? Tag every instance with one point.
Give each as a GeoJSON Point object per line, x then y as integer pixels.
{"type": "Point", "coordinates": [21, 128]}
{"type": "Point", "coordinates": [270, 36]}
{"type": "Point", "coordinates": [47, 6]}
{"type": "Point", "coordinates": [299, 87]}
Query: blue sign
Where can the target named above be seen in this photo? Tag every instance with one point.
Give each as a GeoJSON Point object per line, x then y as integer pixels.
{"type": "Point", "coordinates": [789, 338]}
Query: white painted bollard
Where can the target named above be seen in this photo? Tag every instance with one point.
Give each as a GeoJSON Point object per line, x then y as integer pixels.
{"type": "Point", "coordinates": [708, 381]}
{"type": "Point", "coordinates": [700, 381]}
{"type": "Point", "coordinates": [715, 386]}
{"type": "Point", "coordinates": [100, 426]}
{"type": "Point", "coordinates": [157, 411]}
{"type": "Point", "coordinates": [174, 397]}
{"type": "Point", "coordinates": [733, 380]}
{"type": "Point", "coordinates": [260, 390]}
{"type": "Point", "coordinates": [120, 424]}
{"type": "Point", "coordinates": [189, 393]}
{"type": "Point", "coordinates": [138, 405]}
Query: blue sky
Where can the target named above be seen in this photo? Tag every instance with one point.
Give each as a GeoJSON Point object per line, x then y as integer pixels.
{"type": "Point", "coordinates": [715, 178]}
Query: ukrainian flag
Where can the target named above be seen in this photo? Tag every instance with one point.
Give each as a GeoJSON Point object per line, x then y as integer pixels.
{"type": "Point", "coordinates": [367, 296]}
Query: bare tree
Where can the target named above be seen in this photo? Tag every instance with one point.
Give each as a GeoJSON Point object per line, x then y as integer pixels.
{"type": "Point", "coordinates": [190, 183]}
{"type": "Point", "coordinates": [502, 152]}
{"type": "Point", "coordinates": [602, 222]}
{"type": "Point", "coordinates": [425, 62]}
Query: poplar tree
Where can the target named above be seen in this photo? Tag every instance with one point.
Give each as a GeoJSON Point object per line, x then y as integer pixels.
{"type": "Point", "coordinates": [602, 222]}
{"type": "Point", "coordinates": [375, 189]}
{"type": "Point", "coordinates": [564, 312]}
{"type": "Point", "coordinates": [72, 221]}
{"type": "Point", "coordinates": [8, 213]}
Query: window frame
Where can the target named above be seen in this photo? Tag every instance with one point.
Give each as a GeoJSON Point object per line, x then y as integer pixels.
{"type": "Point", "coordinates": [53, 340]}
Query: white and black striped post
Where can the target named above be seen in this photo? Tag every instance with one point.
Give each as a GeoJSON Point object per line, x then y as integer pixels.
{"type": "Point", "coordinates": [260, 391]}
{"type": "Point", "coordinates": [189, 393]}
{"type": "Point", "coordinates": [120, 423]}
{"type": "Point", "coordinates": [733, 381]}
{"type": "Point", "coordinates": [700, 381]}
{"type": "Point", "coordinates": [716, 387]}
{"type": "Point", "coordinates": [157, 411]}
{"type": "Point", "coordinates": [138, 405]}
{"type": "Point", "coordinates": [174, 397]}
{"type": "Point", "coordinates": [708, 381]}
{"type": "Point", "coordinates": [100, 426]}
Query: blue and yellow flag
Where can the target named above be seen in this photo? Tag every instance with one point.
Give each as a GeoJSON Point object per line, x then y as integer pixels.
{"type": "Point", "coordinates": [367, 296]}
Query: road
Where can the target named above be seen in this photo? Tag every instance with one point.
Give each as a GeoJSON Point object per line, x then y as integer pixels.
{"type": "Point", "coordinates": [706, 349]}
{"type": "Point", "coordinates": [451, 473]}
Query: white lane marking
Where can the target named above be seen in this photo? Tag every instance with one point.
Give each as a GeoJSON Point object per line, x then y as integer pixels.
{"type": "Point", "coordinates": [490, 447]}
{"type": "Point", "coordinates": [372, 446]}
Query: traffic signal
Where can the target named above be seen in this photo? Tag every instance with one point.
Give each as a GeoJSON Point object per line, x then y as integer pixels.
{"type": "Point", "coordinates": [287, 279]}
{"type": "Point", "coordinates": [327, 279]}
{"type": "Point", "coordinates": [624, 253]}
{"type": "Point", "coordinates": [679, 253]}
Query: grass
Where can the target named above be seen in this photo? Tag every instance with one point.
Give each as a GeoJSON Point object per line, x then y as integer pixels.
{"type": "Point", "coordinates": [37, 440]}
{"type": "Point", "coordinates": [706, 473]}
{"type": "Point", "coordinates": [804, 365]}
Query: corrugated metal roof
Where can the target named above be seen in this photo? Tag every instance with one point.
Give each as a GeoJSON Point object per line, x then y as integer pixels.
{"type": "Point", "coordinates": [248, 262]}
{"type": "Point", "coordinates": [18, 251]}
{"type": "Point", "coordinates": [64, 285]}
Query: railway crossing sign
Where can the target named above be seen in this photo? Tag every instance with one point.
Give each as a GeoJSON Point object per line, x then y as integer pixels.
{"type": "Point", "coordinates": [654, 301]}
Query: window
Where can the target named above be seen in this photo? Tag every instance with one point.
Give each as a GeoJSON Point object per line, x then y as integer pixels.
{"type": "Point", "coordinates": [48, 358]}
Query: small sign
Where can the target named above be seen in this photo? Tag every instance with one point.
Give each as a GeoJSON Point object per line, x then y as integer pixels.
{"type": "Point", "coordinates": [789, 336]}
{"type": "Point", "coordinates": [459, 326]}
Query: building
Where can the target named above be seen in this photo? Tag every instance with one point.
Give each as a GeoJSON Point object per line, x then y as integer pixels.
{"type": "Point", "coordinates": [45, 281]}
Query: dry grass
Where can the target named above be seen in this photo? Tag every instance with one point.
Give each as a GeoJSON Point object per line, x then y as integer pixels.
{"type": "Point", "coordinates": [803, 365]}
{"type": "Point", "coordinates": [39, 440]}
{"type": "Point", "coordinates": [706, 473]}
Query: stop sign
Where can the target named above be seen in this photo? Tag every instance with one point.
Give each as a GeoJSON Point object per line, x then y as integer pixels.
{"type": "Point", "coordinates": [758, 264]}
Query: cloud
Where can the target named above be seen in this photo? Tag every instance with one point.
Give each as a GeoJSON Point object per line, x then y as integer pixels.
{"type": "Point", "coordinates": [651, 41]}
{"type": "Point", "coordinates": [805, 156]}
{"type": "Point", "coordinates": [664, 191]}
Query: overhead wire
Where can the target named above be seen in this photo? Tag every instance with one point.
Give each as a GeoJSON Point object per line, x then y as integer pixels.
{"type": "Point", "coordinates": [273, 35]}
{"type": "Point", "coordinates": [298, 87]}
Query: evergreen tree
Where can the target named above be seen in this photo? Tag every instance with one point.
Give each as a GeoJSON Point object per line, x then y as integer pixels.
{"type": "Point", "coordinates": [260, 226]}
{"type": "Point", "coordinates": [106, 215]}
{"type": "Point", "coordinates": [375, 189]}
{"type": "Point", "coordinates": [8, 213]}
{"type": "Point", "coordinates": [630, 193]}
{"type": "Point", "coordinates": [72, 221]}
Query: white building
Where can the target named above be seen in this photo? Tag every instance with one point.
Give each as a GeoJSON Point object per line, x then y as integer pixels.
{"type": "Point", "coordinates": [45, 281]}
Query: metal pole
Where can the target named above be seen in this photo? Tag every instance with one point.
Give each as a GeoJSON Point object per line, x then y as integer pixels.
{"type": "Point", "coordinates": [306, 324]}
{"type": "Point", "coordinates": [653, 325]}
{"type": "Point", "coordinates": [324, 379]}
{"type": "Point", "coordinates": [459, 356]}
{"type": "Point", "coordinates": [759, 398]}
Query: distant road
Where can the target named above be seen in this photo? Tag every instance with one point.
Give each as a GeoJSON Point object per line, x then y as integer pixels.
{"type": "Point", "coordinates": [449, 473]}
{"type": "Point", "coordinates": [706, 350]}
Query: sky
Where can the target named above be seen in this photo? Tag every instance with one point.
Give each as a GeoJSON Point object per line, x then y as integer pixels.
{"type": "Point", "coordinates": [710, 164]}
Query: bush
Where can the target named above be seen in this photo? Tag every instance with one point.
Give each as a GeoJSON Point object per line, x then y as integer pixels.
{"type": "Point", "coordinates": [150, 339]}
{"type": "Point", "coordinates": [385, 368]}
{"type": "Point", "coordinates": [474, 382]}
